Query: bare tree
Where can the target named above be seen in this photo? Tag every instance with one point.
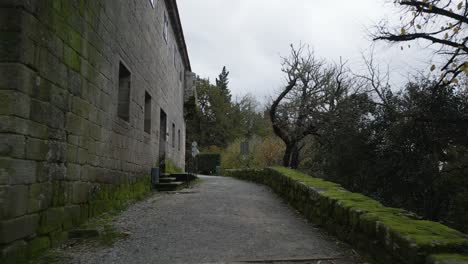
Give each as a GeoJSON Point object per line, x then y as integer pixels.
{"type": "Point", "coordinates": [440, 22]}
{"type": "Point", "coordinates": [313, 91]}
{"type": "Point", "coordinates": [375, 80]}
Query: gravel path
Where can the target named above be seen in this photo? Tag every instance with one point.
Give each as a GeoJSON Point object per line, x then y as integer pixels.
{"type": "Point", "coordinates": [220, 220]}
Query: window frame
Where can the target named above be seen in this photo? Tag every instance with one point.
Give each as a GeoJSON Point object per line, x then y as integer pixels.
{"type": "Point", "coordinates": [124, 75]}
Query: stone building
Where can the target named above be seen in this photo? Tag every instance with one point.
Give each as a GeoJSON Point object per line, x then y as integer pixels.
{"type": "Point", "coordinates": [91, 98]}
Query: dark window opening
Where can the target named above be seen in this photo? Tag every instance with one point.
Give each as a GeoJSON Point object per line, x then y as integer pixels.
{"type": "Point", "coordinates": [147, 113]}
{"type": "Point", "coordinates": [173, 135]}
{"type": "Point", "coordinates": [123, 109]}
{"type": "Point", "coordinates": [179, 139]}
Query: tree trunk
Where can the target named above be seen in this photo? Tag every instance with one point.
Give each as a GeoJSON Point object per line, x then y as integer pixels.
{"type": "Point", "coordinates": [287, 155]}
{"type": "Point", "coordinates": [295, 157]}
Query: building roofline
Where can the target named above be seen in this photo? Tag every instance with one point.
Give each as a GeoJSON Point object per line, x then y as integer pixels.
{"type": "Point", "coordinates": [173, 11]}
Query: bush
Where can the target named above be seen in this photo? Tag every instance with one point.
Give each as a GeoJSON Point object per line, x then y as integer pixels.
{"type": "Point", "coordinates": [207, 163]}
{"type": "Point", "coordinates": [170, 167]}
{"type": "Point", "coordinates": [264, 152]}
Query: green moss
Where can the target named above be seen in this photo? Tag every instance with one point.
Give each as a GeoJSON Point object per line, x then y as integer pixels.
{"type": "Point", "coordinates": [74, 39]}
{"type": "Point", "coordinates": [71, 58]}
{"type": "Point", "coordinates": [57, 238]}
{"type": "Point", "coordinates": [38, 245]}
{"type": "Point", "coordinates": [426, 235]}
{"type": "Point", "coordinates": [170, 167]}
{"type": "Point", "coordinates": [104, 223]}
{"type": "Point", "coordinates": [306, 179]}
{"type": "Point", "coordinates": [394, 228]}
{"type": "Point", "coordinates": [449, 259]}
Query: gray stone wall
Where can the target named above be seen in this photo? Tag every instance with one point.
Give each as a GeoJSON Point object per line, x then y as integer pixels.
{"type": "Point", "coordinates": [61, 140]}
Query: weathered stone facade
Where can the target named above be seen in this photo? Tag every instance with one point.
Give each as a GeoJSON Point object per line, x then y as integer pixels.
{"type": "Point", "coordinates": [66, 151]}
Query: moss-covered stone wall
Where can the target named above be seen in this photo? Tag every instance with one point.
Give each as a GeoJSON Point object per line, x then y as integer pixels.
{"type": "Point", "coordinates": [65, 154]}
{"type": "Point", "coordinates": [389, 235]}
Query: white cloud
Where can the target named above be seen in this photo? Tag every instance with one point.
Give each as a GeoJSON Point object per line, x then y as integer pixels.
{"type": "Point", "coordinates": [249, 36]}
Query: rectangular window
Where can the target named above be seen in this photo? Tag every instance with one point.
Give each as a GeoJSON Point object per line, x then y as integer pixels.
{"type": "Point", "coordinates": [166, 27]}
{"type": "Point", "coordinates": [173, 135]}
{"type": "Point", "coordinates": [178, 136]}
{"type": "Point", "coordinates": [147, 113]}
{"type": "Point", "coordinates": [123, 109]}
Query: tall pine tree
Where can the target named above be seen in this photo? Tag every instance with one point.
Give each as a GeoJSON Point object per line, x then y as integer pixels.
{"type": "Point", "coordinates": [222, 83]}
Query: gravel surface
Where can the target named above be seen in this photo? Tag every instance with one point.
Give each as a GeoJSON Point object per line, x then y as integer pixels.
{"type": "Point", "coordinates": [219, 220]}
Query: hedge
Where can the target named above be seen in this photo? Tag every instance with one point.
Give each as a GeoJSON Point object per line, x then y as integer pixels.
{"type": "Point", "coordinates": [208, 163]}
{"type": "Point", "coordinates": [389, 235]}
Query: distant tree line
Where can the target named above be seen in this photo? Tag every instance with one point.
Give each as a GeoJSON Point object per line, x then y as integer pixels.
{"type": "Point", "coordinates": [216, 120]}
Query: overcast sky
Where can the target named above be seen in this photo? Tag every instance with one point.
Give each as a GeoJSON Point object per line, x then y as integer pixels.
{"type": "Point", "coordinates": [249, 36]}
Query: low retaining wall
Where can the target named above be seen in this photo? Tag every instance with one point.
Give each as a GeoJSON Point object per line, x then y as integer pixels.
{"type": "Point", "coordinates": [389, 235]}
{"type": "Point", "coordinates": [50, 227]}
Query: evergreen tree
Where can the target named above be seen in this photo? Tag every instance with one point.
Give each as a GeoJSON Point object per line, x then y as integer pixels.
{"type": "Point", "coordinates": [222, 80]}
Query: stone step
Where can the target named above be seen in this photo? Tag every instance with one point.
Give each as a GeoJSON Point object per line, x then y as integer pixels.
{"type": "Point", "coordinates": [164, 175]}
{"type": "Point", "coordinates": [172, 186]}
{"type": "Point", "coordinates": [167, 180]}
{"type": "Point", "coordinates": [184, 177]}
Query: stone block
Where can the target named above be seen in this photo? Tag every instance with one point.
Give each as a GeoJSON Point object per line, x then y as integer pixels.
{"type": "Point", "coordinates": [10, 19]}
{"type": "Point", "coordinates": [46, 113]}
{"type": "Point", "coordinates": [38, 246]}
{"type": "Point", "coordinates": [71, 58]}
{"type": "Point", "coordinates": [12, 124]}
{"type": "Point", "coordinates": [80, 192]}
{"type": "Point", "coordinates": [12, 145]}
{"type": "Point", "coordinates": [9, 43]}
{"type": "Point", "coordinates": [62, 193]}
{"type": "Point", "coordinates": [13, 201]}
{"type": "Point", "coordinates": [51, 220]}
{"type": "Point", "coordinates": [75, 124]}
{"type": "Point", "coordinates": [40, 197]}
{"type": "Point", "coordinates": [72, 153]}
{"type": "Point", "coordinates": [58, 237]}
{"type": "Point", "coordinates": [36, 149]}
{"type": "Point", "coordinates": [83, 156]}
{"type": "Point", "coordinates": [57, 134]}
{"type": "Point", "coordinates": [73, 172]}
{"type": "Point", "coordinates": [74, 83]}
{"type": "Point", "coordinates": [49, 92]}
{"type": "Point", "coordinates": [16, 76]}
{"type": "Point", "coordinates": [51, 68]}
{"type": "Point", "coordinates": [89, 174]}
{"type": "Point", "coordinates": [14, 229]}
{"type": "Point", "coordinates": [14, 103]}
{"type": "Point", "coordinates": [95, 132]}
{"type": "Point", "coordinates": [74, 213]}
{"type": "Point", "coordinates": [57, 151]}
{"type": "Point", "coordinates": [74, 40]}
{"type": "Point", "coordinates": [14, 253]}
{"type": "Point", "coordinates": [15, 171]}
{"type": "Point", "coordinates": [56, 171]}
{"type": "Point", "coordinates": [60, 98]}
{"type": "Point", "coordinates": [80, 107]}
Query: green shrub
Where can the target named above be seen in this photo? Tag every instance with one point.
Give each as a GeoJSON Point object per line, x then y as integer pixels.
{"type": "Point", "coordinates": [171, 168]}
{"type": "Point", "coordinates": [207, 163]}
